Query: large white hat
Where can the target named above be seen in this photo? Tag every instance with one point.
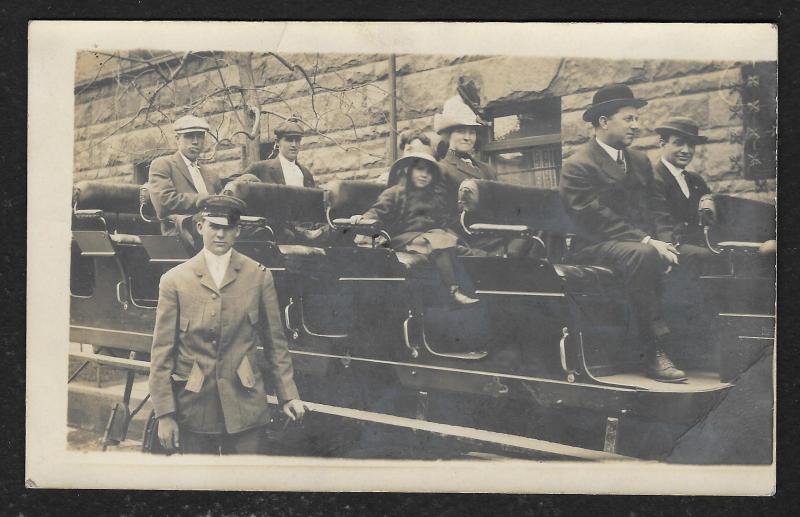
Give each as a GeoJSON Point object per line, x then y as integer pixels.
{"type": "Point", "coordinates": [455, 113]}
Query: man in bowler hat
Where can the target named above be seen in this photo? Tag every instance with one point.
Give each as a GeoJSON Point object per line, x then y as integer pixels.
{"type": "Point", "coordinates": [177, 183]}
{"type": "Point", "coordinates": [623, 221]}
{"type": "Point", "coordinates": [214, 310]}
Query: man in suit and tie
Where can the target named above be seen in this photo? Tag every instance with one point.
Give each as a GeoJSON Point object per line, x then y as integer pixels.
{"type": "Point", "coordinates": [682, 189]}
{"type": "Point", "coordinates": [214, 310]}
{"type": "Point", "coordinates": [623, 221]}
{"type": "Point", "coordinates": [177, 184]}
{"type": "Point", "coordinates": [284, 169]}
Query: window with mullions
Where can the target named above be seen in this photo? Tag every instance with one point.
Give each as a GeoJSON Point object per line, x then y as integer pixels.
{"type": "Point", "coordinates": [525, 145]}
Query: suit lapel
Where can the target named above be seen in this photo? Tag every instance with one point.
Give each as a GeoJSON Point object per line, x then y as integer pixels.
{"type": "Point", "coordinates": [461, 165]}
{"type": "Point", "coordinates": [233, 269]}
{"type": "Point", "coordinates": [277, 172]}
{"type": "Point", "coordinates": [606, 164]}
{"type": "Point", "coordinates": [181, 165]}
{"type": "Point", "coordinates": [200, 268]}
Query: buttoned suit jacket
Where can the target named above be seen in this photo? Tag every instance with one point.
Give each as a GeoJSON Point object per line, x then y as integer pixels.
{"type": "Point", "coordinates": [609, 204]}
{"type": "Point", "coordinates": [173, 193]}
{"type": "Point", "coordinates": [270, 171]}
{"type": "Point", "coordinates": [682, 209]}
{"type": "Point", "coordinates": [216, 331]}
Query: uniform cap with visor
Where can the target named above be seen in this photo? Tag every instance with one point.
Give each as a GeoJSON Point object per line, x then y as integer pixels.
{"type": "Point", "coordinates": [222, 210]}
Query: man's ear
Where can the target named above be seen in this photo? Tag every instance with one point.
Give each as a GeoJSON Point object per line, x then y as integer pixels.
{"type": "Point", "coordinates": [662, 142]}
{"type": "Point", "coordinates": [238, 231]}
{"type": "Point", "coordinates": [200, 226]}
{"type": "Point", "coordinates": [602, 121]}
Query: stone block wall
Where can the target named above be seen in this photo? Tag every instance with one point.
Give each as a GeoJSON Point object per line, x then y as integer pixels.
{"type": "Point", "coordinates": [116, 128]}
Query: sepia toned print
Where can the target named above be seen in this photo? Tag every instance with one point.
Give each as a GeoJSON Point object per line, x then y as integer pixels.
{"type": "Point", "coordinates": [422, 256]}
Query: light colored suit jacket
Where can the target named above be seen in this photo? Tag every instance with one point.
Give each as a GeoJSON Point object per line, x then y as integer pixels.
{"type": "Point", "coordinates": [172, 190]}
{"type": "Point", "coordinates": [204, 364]}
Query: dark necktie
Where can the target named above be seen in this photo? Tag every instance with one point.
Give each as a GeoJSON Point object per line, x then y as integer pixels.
{"type": "Point", "coordinates": [621, 161]}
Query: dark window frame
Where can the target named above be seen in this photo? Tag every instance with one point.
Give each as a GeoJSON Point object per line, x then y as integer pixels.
{"type": "Point", "coordinates": [527, 143]}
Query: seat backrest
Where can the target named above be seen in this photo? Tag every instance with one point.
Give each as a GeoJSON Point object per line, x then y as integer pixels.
{"type": "Point", "coordinates": [497, 202]}
{"type": "Point", "coordinates": [120, 203]}
{"type": "Point", "coordinates": [346, 198]}
{"type": "Point", "coordinates": [108, 197]}
{"type": "Point", "coordinates": [277, 203]}
{"type": "Point", "coordinates": [743, 219]}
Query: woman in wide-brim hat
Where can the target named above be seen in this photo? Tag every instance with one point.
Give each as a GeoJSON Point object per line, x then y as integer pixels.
{"type": "Point", "coordinates": [460, 129]}
{"type": "Point", "coordinates": [417, 213]}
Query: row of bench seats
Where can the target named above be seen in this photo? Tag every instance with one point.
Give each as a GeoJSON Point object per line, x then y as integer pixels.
{"type": "Point", "coordinates": [487, 206]}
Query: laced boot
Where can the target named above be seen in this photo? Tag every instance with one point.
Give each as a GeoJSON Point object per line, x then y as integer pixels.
{"type": "Point", "coordinates": [461, 298]}
{"type": "Point", "coordinates": [661, 368]}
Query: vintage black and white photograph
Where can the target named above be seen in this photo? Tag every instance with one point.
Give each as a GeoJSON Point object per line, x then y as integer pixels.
{"type": "Point", "coordinates": [546, 250]}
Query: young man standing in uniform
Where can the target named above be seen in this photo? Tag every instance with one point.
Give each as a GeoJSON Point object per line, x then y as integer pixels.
{"type": "Point", "coordinates": [214, 310]}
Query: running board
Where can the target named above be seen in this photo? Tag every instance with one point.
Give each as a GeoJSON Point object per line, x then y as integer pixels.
{"type": "Point", "coordinates": [505, 441]}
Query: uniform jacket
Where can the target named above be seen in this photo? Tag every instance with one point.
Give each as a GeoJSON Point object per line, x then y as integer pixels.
{"type": "Point", "coordinates": [609, 204]}
{"type": "Point", "coordinates": [172, 190]}
{"type": "Point", "coordinates": [270, 171]}
{"type": "Point", "coordinates": [407, 213]}
{"type": "Point", "coordinates": [202, 332]}
{"type": "Point", "coordinates": [456, 170]}
{"type": "Point", "coordinates": [682, 209]}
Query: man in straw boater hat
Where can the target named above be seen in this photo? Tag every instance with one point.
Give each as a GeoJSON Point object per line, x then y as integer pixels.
{"type": "Point", "coordinates": [214, 310]}
{"type": "Point", "coordinates": [177, 184]}
{"type": "Point", "coordinates": [623, 220]}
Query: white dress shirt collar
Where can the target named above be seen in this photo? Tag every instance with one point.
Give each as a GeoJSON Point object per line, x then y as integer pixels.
{"type": "Point", "coordinates": [291, 172]}
{"type": "Point", "coordinates": [678, 175]}
{"type": "Point", "coordinates": [612, 152]}
{"type": "Point", "coordinates": [217, 265]}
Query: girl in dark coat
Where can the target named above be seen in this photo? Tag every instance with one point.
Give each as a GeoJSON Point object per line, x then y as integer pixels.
{"type": "Point", "coordinates": [418, 214]}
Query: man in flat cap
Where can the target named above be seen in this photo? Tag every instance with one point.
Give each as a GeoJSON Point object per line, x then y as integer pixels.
{"type": "Point", "coordinates": [623, 221]}
{"type": "Point", "coordinates": [177, 184]}
{"type": "Point", "coordinates": [284, 169]}
{"type": "Point", "coordinates": [214, 310]}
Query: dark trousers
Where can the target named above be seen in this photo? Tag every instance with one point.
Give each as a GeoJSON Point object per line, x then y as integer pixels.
{"type": "Point", "coordinates": [246, 442]}
{"type": "Point", "coordinates": [642, 272]}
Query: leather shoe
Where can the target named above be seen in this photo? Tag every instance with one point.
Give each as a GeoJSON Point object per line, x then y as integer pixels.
{"type": "Point", "coordinates": [661, 368]}
{"type": "Point", "coordinates": [461, 298]}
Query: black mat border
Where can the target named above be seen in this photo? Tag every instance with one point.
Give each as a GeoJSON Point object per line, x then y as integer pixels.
{"type": "Point", "coordinates": [15, 500]}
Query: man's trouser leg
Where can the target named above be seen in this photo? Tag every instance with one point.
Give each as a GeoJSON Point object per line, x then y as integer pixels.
{"type": "Point", "coordinates": [198, 443]}
{"type": "Point", "coordinates": [246, 442]}
{"type": "Point", "coordinates": [642, 271]}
